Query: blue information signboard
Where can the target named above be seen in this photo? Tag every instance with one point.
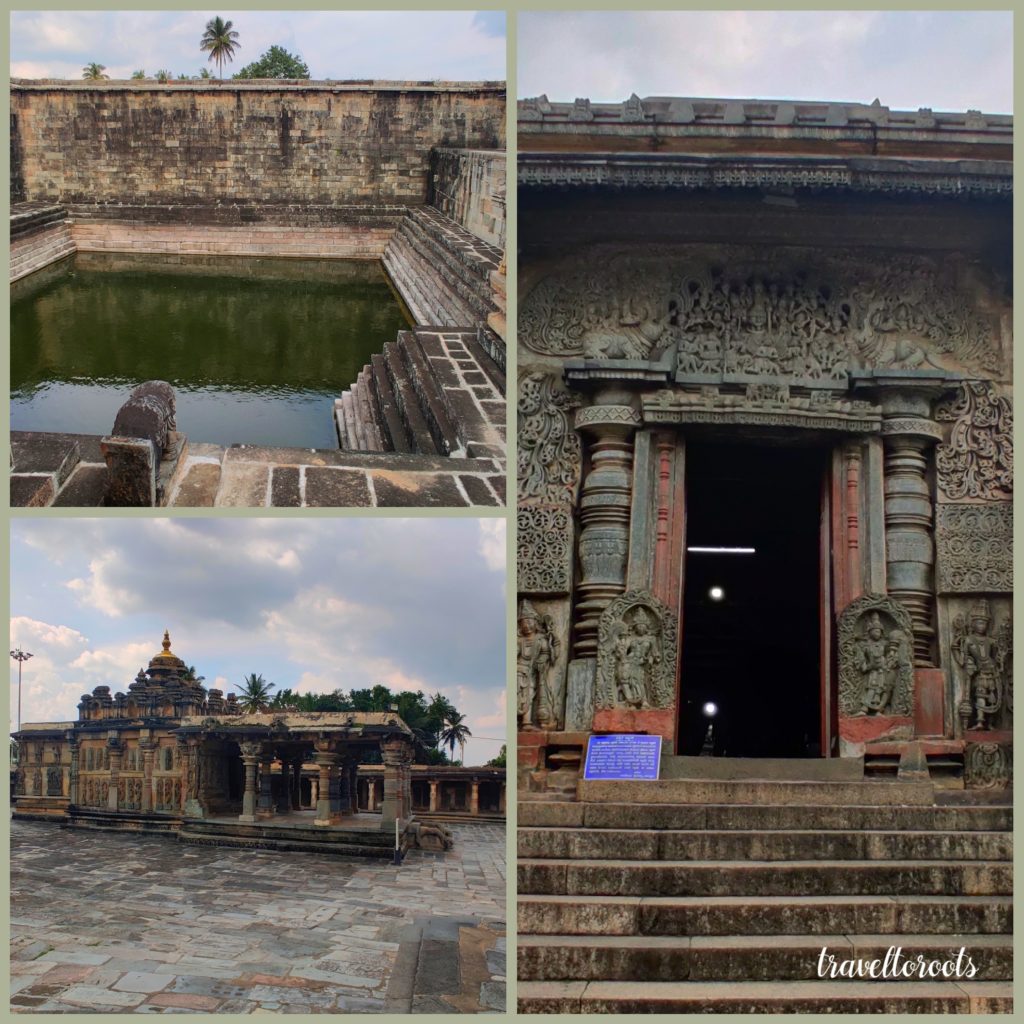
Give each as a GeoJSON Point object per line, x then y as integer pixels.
{"type": "Point", "coordinates": [623, 757]}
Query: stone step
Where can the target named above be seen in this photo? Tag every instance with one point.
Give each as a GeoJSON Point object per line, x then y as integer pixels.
{"type": "Point", "coordinates": [755, 816]}
{"type": "Point", "coordinates": [764, 915]}
{"type": "Point", "coordinates": [391, 425]}
{"type": "Point", "coordinates": [742, 957]}
{"type": "Point", "coordinates": [431, 399]}
{"type": "Point", "coordinates": [404, 391]}
{"type": "Point", "coordinates": [776, 845]}
{"type": "Point", "coordinates": [784, 793]}
{"type": "Point", "coordinates": [487, 364]}
{"type": "Point", "coordinates": [480, 257]}
{"type": "Point", "coordinates": [763, 878]}
{"type": "Point", "coordinates": [764, 997]}
{"type": "Point", "coordinates": [29, 219]}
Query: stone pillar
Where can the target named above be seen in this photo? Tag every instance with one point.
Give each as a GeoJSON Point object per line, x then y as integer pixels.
{"type": "Point", "coordinates": [374, 795]}
{"type": "Point", "coordinates": [394, 753]}
{"type": "Point", "coordinates": [501, 799]}
{"type": "Point", "coordinates": [188, 755]}
{"type": "Point", "coordinates": [148, 748]}
{"type": "Point", "coordinates": [433, 794]}
{"type": "Point", "coordinates": [474, 797]}
{"type": "Point", "coordinates": [326, 759]}
{"type": "Point", "coordinates": [604, 512]}
{"type": "Point", "coordinates": [314, 788]}
{"type": "Point", "coordinates": [73, 748]}
{"type": "Point", "coordinates": [250, 759]}
{"type": "Point", "coordinates": [908, 434]}
{"type": "Point", "coordinates": [265, 805]}
{"type": "Point", "coordinates": [284, 796]}
{"type": "Point", "coordinates": [116, 754]}
{"type": "Point", "coordinates": [854, 576]}
{"type": "Point", "coordinates": [296, 789]}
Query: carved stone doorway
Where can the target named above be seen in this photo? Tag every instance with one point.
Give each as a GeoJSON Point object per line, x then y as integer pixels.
{"type": "Point", "coordinates": [752, 615]}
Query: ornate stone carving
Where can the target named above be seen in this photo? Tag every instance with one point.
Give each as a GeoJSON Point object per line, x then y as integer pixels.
{"type": "Point", "coordinates": [876, 669]}
{"type": "Point", "coordinates": [54, 782]}
{"type": "Point", "coordinates": [984, 655]}
{"type": "Point", "coordinates": [548, 448]}
{"type": "Point", "coordinates": [777, 407]}
{"type": "Point", "coordinates": [974, 548]}
{"type": "Point", "coordinates": [794, 316]}
{"type": "Point", "coordinates": [987, 766]}
{"type": "Point", "coordinates": [636, 653]}
{"type": "Point", "coordinates": [544, 549]}
{"type": "Point", "coordinates": [977, 462]}
{"type": "Point", "coordinates": [538, 704]}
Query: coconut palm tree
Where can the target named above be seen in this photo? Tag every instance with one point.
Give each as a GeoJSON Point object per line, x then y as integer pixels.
{"type": "Point", "coordinates": [221, 41]}
{"type": "Point", "coordinates": [94, 72]}
{"type": "Point", "coordinates": [138, 76]}
{"type": "Point", "coordinates": [189, 675]}
{"type": "Point", "coordinates": [456, 731]}
{"type": "Point", "coordinates": [254, 694]}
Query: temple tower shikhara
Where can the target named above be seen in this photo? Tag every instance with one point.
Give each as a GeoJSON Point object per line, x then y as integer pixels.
{"type": "Point", "coordinates": [765, 434]}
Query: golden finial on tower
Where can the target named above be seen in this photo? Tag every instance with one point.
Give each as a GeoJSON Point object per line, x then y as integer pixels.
{"type": "Point", "coordinates": [167, 642]}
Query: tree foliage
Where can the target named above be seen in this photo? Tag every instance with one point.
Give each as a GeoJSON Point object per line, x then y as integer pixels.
{"type": "Point", "coordinates": [94, 72]}
{"type": "Point", "coordinates": [499, 761]}
{"type": "Point", "coordinates": [254, 694]}
{"type": "Point", "coordinates": [277, 62]}
{"type": "Point", "coordinates": [220, 40]}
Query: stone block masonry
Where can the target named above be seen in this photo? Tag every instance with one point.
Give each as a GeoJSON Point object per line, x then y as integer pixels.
{"type": "Point", "coordinates": [469, 187]}
{"type": "Point", "coordinates": [360, 143]}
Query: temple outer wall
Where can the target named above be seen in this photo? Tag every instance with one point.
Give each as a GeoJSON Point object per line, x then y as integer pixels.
{"type": "Point", "coordinates": [332, 143]}
{"type": "Point", "coordinates": [469, 187]}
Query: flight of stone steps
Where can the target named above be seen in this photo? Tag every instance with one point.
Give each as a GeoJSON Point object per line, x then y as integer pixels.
{"type": "Point", "coordinates": [433, 391]}
{"type": "Point", "coordinates": [40, 235]}
{"type": "Point", "coordinates": [444, 272]}
{"type": "Point", "coordinates": [720, 896]}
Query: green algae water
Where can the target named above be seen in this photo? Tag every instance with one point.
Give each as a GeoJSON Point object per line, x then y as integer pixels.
{"type": "Point", "coordinates": [256, 350]}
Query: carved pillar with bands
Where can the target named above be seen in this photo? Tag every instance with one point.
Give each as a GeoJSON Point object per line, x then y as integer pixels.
{"type": "Point", "coordinates": [604, 515]}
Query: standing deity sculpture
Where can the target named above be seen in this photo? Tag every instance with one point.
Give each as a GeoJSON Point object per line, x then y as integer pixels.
{"type": "Point", "coordinates": [637, 656]}
{"type": "Point", "coordinates": [881, 659]}
{"type": "Point", "coordinates": [536, 653]}
{"type": "Point", "coordinates": [876, 664]}
{"type": "Point", "coordinates": [984, 660]}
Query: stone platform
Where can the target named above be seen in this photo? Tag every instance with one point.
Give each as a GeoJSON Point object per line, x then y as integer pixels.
{"type": "Point", "coordinates": [68, 470]}
{"type": "Point", "coordinates": [108, 922]}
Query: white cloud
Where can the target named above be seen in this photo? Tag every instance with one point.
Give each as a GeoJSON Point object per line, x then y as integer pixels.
{"type": "Point", "coordinates": [492, 543]}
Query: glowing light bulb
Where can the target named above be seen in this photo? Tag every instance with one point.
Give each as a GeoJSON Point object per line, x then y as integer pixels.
{"type": "Point", "coordinates": [716, 593]}
{"type": "Point", "coordinates": [710, 709]}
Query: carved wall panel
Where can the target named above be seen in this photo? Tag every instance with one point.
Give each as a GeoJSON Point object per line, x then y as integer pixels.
{"type": "Point", "coordinates": [541, 657]}
{"type": "Point", "coordinates": [988, 766]}
{"type": "Point", "coordinates": [795, 315]}
{"type": "Point", "coordinates": [544, 547]}
{"type": "Point", "coordinates": [549, 455]}
{"type": "Point", "coordinates": [977, 461]}
{"type": "Point", "coordinates": [876, 669]}
{"type": "Point", "coordinates": [636, 653]}
{"type": "Point", "coordinates": [981, 648]}
{"type": "Point", "coordinates": [974, 548]}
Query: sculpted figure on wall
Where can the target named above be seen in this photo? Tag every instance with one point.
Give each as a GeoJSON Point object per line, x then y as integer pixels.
{"type": "Point", "coordinates": [537, 699]}
{"type": "Point", "coordinates": [977, 462]}
{"type": "Point", "coordinates": [987, 766]}
{"type": "Point", "coordinates": [876, 664]}
{"type": "Point", "coordinates": [984, 657]}
{"type": "Point", "coordinates": [636, 653]}
{"type": "Point", "coordinates": [802, 315]}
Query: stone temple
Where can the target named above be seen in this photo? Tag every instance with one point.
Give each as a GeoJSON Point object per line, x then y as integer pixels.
{"type": "Point", "coordinates": [765, 514]}
{"type": "Point", "coordinates": [171, 757]}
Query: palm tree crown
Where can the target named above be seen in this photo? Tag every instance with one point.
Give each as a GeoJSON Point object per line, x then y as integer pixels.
{"type": "Point", "coordinates": [254, 694]}
{"type": "Point", "coordinates": [220, 40]}
{"type": "Point", "coordinates": [94, 72]}
{"type": "Point", "coordinates": [456, 731]}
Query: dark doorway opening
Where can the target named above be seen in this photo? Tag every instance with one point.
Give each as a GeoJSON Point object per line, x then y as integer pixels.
{"type": "Point", "coordinates": [751, 627]}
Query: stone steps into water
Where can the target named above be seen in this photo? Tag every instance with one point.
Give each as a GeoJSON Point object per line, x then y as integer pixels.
{"type": "Point", "coordinates": [432, 391]}
{"type": "Point", "coordinates": [40, 235]}
{"type": "Point", "coordinates": [717, 895]}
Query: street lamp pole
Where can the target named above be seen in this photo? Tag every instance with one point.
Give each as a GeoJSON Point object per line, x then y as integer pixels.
{"type": "Point", "coordinates": [20, 657]}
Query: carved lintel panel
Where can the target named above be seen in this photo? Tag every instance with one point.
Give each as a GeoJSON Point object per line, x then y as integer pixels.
{"type": "Point", "coordinates": [549, 454]}
{"type": "Point", "coordinates": [544, 548]}
{"type": "Point", "coordinates": [977, 461]}
{"type": "Point", "coordinates": [798, 315]}
{"type": "Point", "coordinates": [988, 766]}
{"type": "Point", "coordinates": [876, 669]}
{"type": "Point", "coordinates": [974, 548]}
{"type": "Point", "coordinates": [636, 653]}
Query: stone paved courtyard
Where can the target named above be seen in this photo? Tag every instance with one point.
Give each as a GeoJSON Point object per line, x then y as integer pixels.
{"type": "Point", "coordinates": [106, 921]}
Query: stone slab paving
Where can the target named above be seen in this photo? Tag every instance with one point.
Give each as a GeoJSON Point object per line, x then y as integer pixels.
{"type": "Point", "coordinates": [108, 922]}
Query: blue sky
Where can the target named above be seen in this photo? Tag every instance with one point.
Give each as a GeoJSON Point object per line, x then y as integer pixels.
{"type": "Point", "coordinates": [946, 60]}
{"type": "Point", "coordinates": [457, 45]}
{"type": "Point", "coordinates": [309, 604]}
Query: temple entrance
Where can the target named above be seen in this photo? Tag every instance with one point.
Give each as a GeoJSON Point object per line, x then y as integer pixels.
{"type": "Point", "coordinates": [750, 675]}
